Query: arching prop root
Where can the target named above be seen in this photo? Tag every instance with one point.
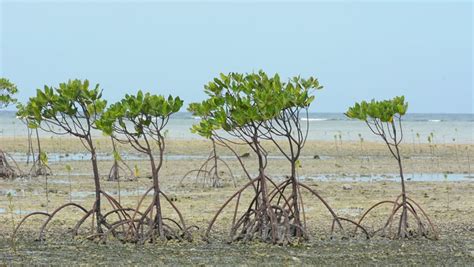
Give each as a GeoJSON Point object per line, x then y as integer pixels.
{"type": "Point", "coordinates": [337, 222]}
{"type": "Point", "coordinates": [140, 227]}
{"type": "Point", "coordinates": [423, 224]}
{"type": "Point", "coordinates": [118, 210]}
{"type": "Point", "coordinates": [273, 223]}
{"type": "Point", "coordinates": [209, 174]}
{"type": "Point", "coordinates": [6, 169]}
{"type": "Point", "coordinates": [124, 224]}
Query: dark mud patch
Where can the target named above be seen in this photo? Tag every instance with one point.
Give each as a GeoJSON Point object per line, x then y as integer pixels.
{"type": "Point", "coordinates": [452, 251]}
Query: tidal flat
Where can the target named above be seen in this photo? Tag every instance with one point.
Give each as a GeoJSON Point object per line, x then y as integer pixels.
{"type": "Point", "coordinates": [350, 176]}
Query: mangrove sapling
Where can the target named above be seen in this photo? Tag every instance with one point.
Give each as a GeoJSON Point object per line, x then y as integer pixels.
{"type": "Point", "coordinates": [241, 106]}
{"type": "Point", "coordinates": [419, 142]}
{"type": "Point", "coordinates": [447, 189]}
{"type": "Point", "coordinates": [337, 152]}
{"type": "Point", "coordinates": [456, 151]}
{"type": "Point", "coordinates": [363, 156]}
{"type": "Point", "coordinates": [435, 150]}
{"type": "Point", "coordinates": [7, 91]}
{"type": "Point", "coordinates": [11, 210]}
{"type": "Point", "coordinates": [119, 166]}
{"type": "Point", "coordinates": [43, 158]}
{"type": "Point", "coordinates": [69, 170]}
{"type": "Point", "coordinates": [209, 171]}
{"type": "Point", "coordinates": [30, 152]}
{"type": "Point", "coordinates": [384, 119]}
{"type": "Point", "coordinates": [38, 168]}
{"type": "Point", "coordinates": [71, 109]}
{"type": "Point", "coordinates": [140, 121]}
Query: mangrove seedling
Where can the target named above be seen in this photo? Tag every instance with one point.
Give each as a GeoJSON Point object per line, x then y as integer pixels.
{"type": "Point", "coordinates": [384, 119]}
{"type": "Point", "coordinates": [119, 166]}
{"type": "Point", "coordinates": [69, 170]}
{"type": "Point", "coordinates": [43, 158]}
{"type": "Point", "coordinates": [11, 210]}
{"type": "Point", "coordinates": [38, 167]}
{"type": "Point", "coordinates": [209, 172]}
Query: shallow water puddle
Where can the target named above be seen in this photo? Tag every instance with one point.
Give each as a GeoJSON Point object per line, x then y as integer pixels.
{"type": "Point", "coordinates": [5, 192]}
{"type": "Point", "coordinates": [58, 157]}
{"type": "Point", "coordinates": [17, 212]}
{"type": "Point", "coordinates": [133, 192]}
{"type": "Point", "coordinates": [418, 177]}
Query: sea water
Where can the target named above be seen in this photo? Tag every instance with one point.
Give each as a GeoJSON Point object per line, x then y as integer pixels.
{"type": "Point", "coordinates": [446, 128]}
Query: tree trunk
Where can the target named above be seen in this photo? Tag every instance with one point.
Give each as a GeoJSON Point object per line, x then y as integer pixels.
{"type": "Point", "coordinates": [95, 169]}
{"type": "Point", "coordinates": [403, 225]}
{"type": "Point", "coordinates": [402, 229]}
{"type": "Point", "coordinates": [294, 197]}
{"type": "Point", "coordinates": [264, 206]}
{"type": "Point", "coordinates": [156, 188]}
{"type": "Point", "coordinates": [114, 174]}
{"type": "Point", "coordinates": [215, 181]}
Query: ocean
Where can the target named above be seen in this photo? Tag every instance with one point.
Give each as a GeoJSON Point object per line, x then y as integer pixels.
{"type": "Point", "coordinates": [446, 128]}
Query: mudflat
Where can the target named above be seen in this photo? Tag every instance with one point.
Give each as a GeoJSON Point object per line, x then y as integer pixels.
{"type": "Point", "coordinates": [350, 176]}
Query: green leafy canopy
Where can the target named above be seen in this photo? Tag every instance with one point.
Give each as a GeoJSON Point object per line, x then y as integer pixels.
{"type": "Point", "coordinates": [144, 110]}
{"type": "Point", "coordinates": [7, 90]}
{"type": "Point", "coordinates": [237, 100]}
{"type": "Point", "coordinates": [383, 110]}
{"type": "Point", "coordinates": [73, 99]}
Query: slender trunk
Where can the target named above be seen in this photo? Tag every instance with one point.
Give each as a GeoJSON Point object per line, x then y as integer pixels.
{"type": "Point", "coordinates": [261, 173]}
{"type": "Point", "coordinates": [294, 197]}
{"type": "Point", "coordinates": [47, 192]}
{"type": "Point", "coordinates": [38, 142]}
{"type": "Point", "coordinates": [264, 205]}
{"type": "Point", "coordinates": [30, 148]}
{"type": "Point", "coordinates": [156, 194]}
{"type": "Point", "coordinates": [402, 229]}
{"type": "Point", "coordinates": [114, 174]}
{"type": "Point", "coordinates": [95, 169]}
{"type": "Point", "coordinates": [39, 167]}
{"type": "Point", "coordinates": [403, 225]}
{"type": "Point", "coordinates": [215, 182]}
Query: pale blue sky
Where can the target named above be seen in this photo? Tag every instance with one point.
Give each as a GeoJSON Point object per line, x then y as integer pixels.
{"type": "Point", "coordinates": [358, 50]}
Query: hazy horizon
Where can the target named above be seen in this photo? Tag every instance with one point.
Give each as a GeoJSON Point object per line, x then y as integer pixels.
{"type": "Point", "coordinates": [358, 50]}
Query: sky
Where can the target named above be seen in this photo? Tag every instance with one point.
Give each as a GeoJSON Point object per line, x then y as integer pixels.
{"type": "Point", "coordinates": [357, 50]}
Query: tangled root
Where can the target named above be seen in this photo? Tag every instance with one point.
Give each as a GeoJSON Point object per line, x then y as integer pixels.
{"type": "Point", "coordinates": [423, 225]}
{"type": "Point", "coordinates": [276, 221]}
{"type": "Point", "coordinates": [208, 174]}
{"type": "Point", "coordinates": [7, 170]}
{"type": "Point", "coordinates": [124, 224]}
